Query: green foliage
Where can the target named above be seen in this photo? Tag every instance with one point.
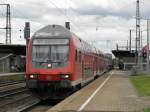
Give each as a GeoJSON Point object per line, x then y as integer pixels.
{"type": "Point", "coordinates": [142, 84]}
{"type": "Point", "coordinates": [147, 110]}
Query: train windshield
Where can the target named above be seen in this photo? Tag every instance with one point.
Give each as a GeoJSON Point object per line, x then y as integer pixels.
{"type": "Point", "coordinates": [50, 53]}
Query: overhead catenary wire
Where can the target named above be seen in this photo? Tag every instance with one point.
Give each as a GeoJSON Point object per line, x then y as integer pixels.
{"type": "Point", "coordinates": [25, 17]}
{"type": "Point", "coordinates": [67, 17]}
{"type": "Point", "coordinates": [78, 17]}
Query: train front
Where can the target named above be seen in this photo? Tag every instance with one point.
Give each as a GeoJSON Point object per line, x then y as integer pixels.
{"type": "Point", "coordinates": [49, 61]}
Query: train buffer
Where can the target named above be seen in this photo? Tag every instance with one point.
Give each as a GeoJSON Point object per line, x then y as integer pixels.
{"type": "Point", "coordinates": [111, 92]}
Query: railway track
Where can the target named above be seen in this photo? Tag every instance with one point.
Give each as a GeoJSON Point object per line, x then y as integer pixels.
{"type": "Point", "coordinates": [18, 103]}
{"type": "Point", "coordinates": [8, 90]}
{"type": "Point", "coordinates": [15, 97]}
{"type": "Point", "coordinates": [6, 83]}
{"type": "Point", "coordinates": [43, 106]}
{"type": "Point", "coordinates": [10, 93]}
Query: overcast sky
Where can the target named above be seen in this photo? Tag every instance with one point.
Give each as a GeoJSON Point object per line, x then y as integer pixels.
{"type": "Point", "coordinates": [103, 23]}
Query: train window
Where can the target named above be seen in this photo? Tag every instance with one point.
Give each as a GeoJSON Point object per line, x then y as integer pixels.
{"type": "Point", "coordinates": [40, 52]}
{"type": "Point", "coordinates": [80, 56]}
{"type": "Point", "coordinates": [76, 56]}
{"type": "Point", "coordinates": [59, 53]}
{"type": "Point", "coordinates": [80, 39]}
{"type": "Point", "coordinates": [56, 55]}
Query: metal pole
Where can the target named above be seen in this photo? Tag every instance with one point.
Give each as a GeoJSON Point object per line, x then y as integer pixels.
{"type": "Point", "coordinates": [141, 39]}
{"type": "Point", "coordinates": [147, 45]}
{"type": "Point", "coordinates": [7, 38]}
{"type": "Point", "coordinates": [117, 47]}
{"type": "Point", "coordinates": [8, 25]}
{"type": "Point", "coordinates": [138, 33]}
{"type": "Point", "coordinates": [127, 46]}
{"type": "Point", "coordinates": [130, 40]}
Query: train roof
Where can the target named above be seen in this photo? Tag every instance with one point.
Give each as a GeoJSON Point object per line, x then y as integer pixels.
{"type": "Point", "coordinates": [51, 31]}
{"type": "Point", "coordinates": [58, 31]}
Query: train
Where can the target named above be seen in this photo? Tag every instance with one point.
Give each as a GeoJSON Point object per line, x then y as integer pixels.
{"type": "Point", "coordinates": [58, 61]}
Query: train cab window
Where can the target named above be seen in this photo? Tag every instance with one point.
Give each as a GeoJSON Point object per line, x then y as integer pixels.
{"type": "Point", "coordinates": [56, 54]}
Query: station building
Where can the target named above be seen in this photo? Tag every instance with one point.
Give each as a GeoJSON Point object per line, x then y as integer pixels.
{"type": "Point", "coordinates": [127, 59]}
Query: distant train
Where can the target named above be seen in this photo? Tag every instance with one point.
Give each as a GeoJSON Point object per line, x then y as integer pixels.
{"type": "Point", "coordinates": [59, 61]}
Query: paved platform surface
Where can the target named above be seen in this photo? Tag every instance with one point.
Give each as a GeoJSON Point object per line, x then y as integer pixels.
{"type": "Point", "coordinates": [111, 92]}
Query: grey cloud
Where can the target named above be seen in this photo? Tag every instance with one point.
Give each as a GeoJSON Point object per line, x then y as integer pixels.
{"type": "Point", "coordinates": [114, 22]}
{"type": "Point", "coordinates": [105, 12]}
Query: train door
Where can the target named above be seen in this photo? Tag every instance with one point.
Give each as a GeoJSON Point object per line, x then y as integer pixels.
{"type": "Point", "coordinates": [81, 63]}
{"type": "Point", "coordinates": [80, 66]}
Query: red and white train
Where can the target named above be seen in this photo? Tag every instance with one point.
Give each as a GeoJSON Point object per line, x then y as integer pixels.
{"type": "Point", "coordinates": [58, 60]}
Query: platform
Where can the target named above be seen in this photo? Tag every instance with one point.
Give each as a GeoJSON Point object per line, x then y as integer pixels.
{"type": "Point", "coordinates": [11, 74]}
{"type": "Point", "coordinates": [111, 92]}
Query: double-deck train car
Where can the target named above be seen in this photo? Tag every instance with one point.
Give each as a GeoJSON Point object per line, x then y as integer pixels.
{"type": "Point", "coordinates": [58, 60]}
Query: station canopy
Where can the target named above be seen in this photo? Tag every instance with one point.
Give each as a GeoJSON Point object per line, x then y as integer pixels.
{"type": "Point", "coordinates": [15, 49]}
{"type": "Point", "coordinates": [122, 53]}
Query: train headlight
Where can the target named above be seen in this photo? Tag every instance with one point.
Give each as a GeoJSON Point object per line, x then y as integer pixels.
{"type": "Point", "coordinates": [64, 76]}
{"type": "Point", "coordinates": [33, 76]}
{"type": "Point", "coordinates": [49, 65]}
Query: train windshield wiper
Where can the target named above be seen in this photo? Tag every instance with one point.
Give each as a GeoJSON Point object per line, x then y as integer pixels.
{"type": "Point", "coordinates": [56, 61]}
{"type": "Point", "coordinates": [48, 61]}
{"type": "Point", "coordinates": [39, 60]}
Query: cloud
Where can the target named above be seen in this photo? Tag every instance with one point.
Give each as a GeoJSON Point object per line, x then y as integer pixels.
{"type": "Point", "coordinates": [102, 22]}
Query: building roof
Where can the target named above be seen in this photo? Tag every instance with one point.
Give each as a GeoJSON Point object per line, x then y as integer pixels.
{"type": "Point", "coordinates": [123, 53]}
{"type": "Point", "coordinates": [15, 49]}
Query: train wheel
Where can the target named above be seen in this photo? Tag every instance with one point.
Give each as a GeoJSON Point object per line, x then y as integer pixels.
{"type": "Point", "coordinates": [76, 88]}
{"type": "Point", "coordinates": [79, 86]}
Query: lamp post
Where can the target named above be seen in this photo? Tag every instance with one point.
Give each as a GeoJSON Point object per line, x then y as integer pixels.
{"type": "Point", "coordinates": [147, 45]}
